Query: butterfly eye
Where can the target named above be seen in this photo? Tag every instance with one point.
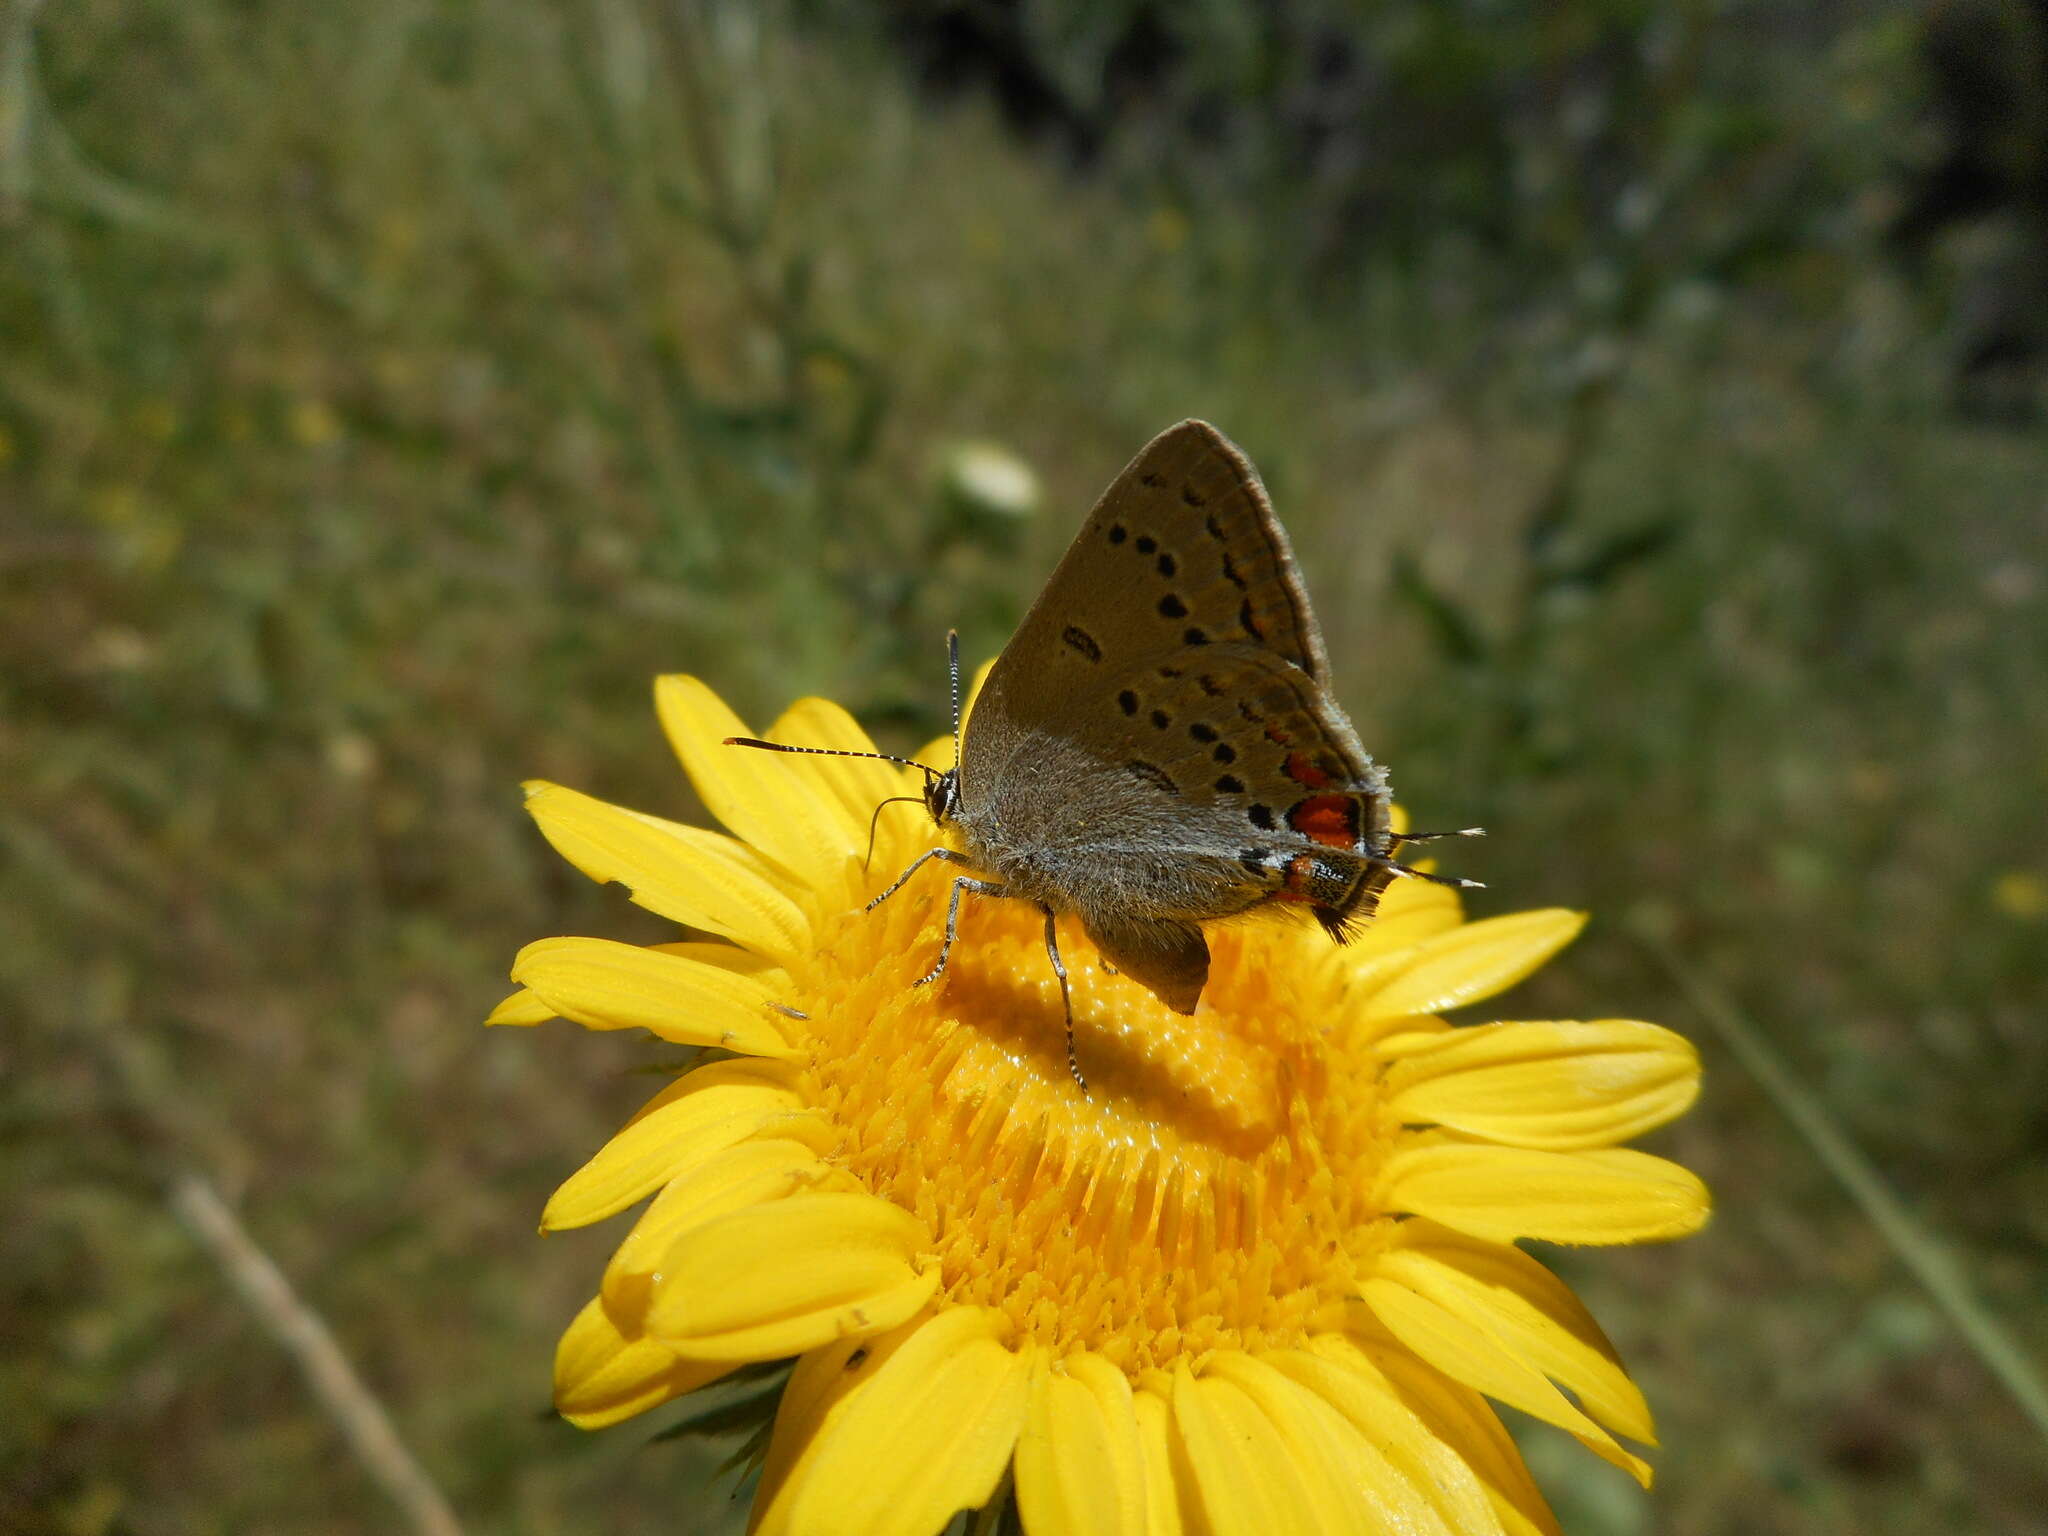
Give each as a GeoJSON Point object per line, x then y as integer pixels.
{"type": "Point", "coordinates": [942, 795]}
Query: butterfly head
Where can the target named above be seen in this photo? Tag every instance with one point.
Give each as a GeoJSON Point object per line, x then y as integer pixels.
{"type": "Point", "coordinates": [942, 795]}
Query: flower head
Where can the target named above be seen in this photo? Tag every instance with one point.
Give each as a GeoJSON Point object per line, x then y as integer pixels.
{"type": "Point", "coordinates": [1261, 1277]}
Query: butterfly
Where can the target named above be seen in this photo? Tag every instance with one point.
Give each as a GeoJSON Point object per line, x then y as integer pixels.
{"type": "Point", "coordinates": [1156, 748]}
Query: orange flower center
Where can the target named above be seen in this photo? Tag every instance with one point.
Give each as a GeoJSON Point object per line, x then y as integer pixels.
{"type": "Point", "coordinates": [1211, 1190]}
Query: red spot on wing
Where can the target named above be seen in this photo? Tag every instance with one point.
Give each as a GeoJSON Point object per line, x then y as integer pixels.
{"type": "Point", "coordinates": [1300, 870]}
{"type": "Point", "coordinates": [1329, 819]}
{"type": "Point", "coordinates": [1302, 769]}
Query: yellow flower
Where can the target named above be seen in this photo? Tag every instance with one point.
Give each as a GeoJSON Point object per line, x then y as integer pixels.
{"type": "Point", "coordinates": [1260, 1278]}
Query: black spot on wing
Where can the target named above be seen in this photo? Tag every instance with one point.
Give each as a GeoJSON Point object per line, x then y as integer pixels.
{"type": "Point", "coordinates": [1127, 701]}
{"type": "Point", "coordinates": [1168, 566]}
{"type": "Point", "coordinates": [1250, 621]}
{"type": "Point", "coordinates": [1118, 533]}
{"type": "Point", "coordinates": [1161, 719]}
{"type": "Point", "coordinates": [1202, 731]}
{"type": "Point", "coordinates": [1172, 607]}
{"type": "Point", "coordinates": [1193, 497]}
{"type": "Point", "coordinates": [1147, 544]}
{"type": "Point", "coordinates": [1079, 639]}
{"type": "Point", "coordinates": [1224, 753]}
{"type": "Point", "coordinates": [1194, 636]}
{"type": "Point", "coordinates": [1261, 816]}
{"type": "Point", "coordinates": [1229, 784]}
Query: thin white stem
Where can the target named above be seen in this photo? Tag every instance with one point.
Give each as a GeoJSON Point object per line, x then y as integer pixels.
{"type": "Point", "coordinates": [355, 1412]}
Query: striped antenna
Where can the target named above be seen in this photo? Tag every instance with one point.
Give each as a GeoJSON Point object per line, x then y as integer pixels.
{"type": "Point", "coordinates": [953, 666]}
{"type": "Point", "coordinates": [880, 757]}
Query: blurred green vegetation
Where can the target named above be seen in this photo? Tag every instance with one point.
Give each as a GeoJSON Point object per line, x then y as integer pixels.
{"type": "Point", "coordinates": [388, 392]}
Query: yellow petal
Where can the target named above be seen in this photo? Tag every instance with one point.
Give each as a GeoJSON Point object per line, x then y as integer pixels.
{"type": "Point", "coordinates": [685, 874]}
{"type": "Point", "coordinates": [1609, 1195]}
{"type": "Point", "coordinates": [699, 1114]}
{"type": "Point", "coordinates": [899, 1443]}
{"type": "Point", "coordinates": [1528, 1310]}
{"type": "Point", "coordinates": [1358, 1488]}
{"type": "Point", "coordinates": [782, 810]}
{"type": "Point", "coordinates": [1080, 1469]}
{"type": "Point", "coordinates": [1432, 1468]}
{"type": "Point", "coordinates": [822, 1380]}
{"type": "Point", "coordinates": [1475, 961]}
{"type": "Point", "coordinates": [1455, 1416]}
{"type": "Point", "coordinates": [522, 1007]}
{"type": "Point", "coordinates": [1469, 1354]}
{"type": "Point", "coordinates": [602, 1376]}
{"type": "Point", "coordinates": [729, 957]}
{"type": "Point", "coordinates": [605, 985]}
{"type": "Point", "coordinates": [749, 1173]}
{"type": "Point", "coordinates": [936, 753]}
{"type": "Point", "coordinates": [857, 785]}
{"type": "Point", "coordinates": [1247, 1477]}
{"type": "Point", "coordinates": [1556, 1086]}
{"type": "Point", "coordinates": [1409, 911]}
{"type": "Point", "coordinates": [1155, 1444]}
{"type": "Point", "coordinates": [782, 1278]}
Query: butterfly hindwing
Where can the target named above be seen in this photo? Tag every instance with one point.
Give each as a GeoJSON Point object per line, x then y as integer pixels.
{"type": "Point", "coordinates": [1243, 738]}
{"type": "Point", "coordinates": [1170, 958]}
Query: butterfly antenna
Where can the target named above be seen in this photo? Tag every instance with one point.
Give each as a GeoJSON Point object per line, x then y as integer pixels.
{"type": "Point", "coordinates": [1430, 837]}
{"type": "Point", "coordinates": [953, 667]}
{"type": "Point", "coordinates": [880, 757]}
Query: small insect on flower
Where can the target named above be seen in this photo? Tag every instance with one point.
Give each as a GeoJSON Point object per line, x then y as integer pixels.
{"type": "Point", "coordinates": [1156, 748]}
{"type": "Point", "coordinates": [1261, 1275]}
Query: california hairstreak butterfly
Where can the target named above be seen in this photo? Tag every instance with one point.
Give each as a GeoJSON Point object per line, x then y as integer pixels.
{"type": "Point", "coordinates": [1155, 749]}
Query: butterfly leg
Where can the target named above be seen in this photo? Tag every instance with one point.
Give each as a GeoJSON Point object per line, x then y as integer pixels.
{"type": "Point", "coordinates": [947, 854]}
{"type": "Point", "coordinates": [960, 883]}
{"type": "Point", "coordinates": [1059, 969]}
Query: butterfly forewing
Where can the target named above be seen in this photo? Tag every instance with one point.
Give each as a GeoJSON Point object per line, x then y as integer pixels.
{"type": "Point", "coordinates": [1182, 551]}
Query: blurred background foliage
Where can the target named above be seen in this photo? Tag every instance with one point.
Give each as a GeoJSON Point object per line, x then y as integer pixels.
{"type": "Point", "coordinates": [1655, 394]}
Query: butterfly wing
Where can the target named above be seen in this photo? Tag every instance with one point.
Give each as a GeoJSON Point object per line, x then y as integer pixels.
{"type": "Point", "coordinates": [1154, 749]}
{"type": "Point", "coordinates": [1182, 550]}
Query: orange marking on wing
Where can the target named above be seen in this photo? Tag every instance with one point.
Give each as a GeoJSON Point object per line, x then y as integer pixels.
{"type": "Point", "coordinates": [1302, 769]}
{"type": "Point", "coordinates": [1329, 819]}
{"type": "Point", "coordinates": [1300, 870]}
{"type": "Point", "coordinates": [1278, 737]}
